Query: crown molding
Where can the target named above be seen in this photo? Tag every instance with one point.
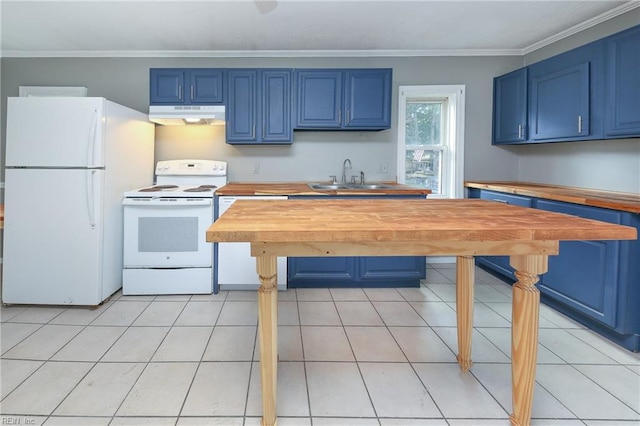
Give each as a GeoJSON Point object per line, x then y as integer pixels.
{"type": "Point", "coordinates": [255, 53]}
{"type": "Point", "coordinates": [634, 4]}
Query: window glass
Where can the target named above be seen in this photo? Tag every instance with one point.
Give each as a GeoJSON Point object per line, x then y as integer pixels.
{"type": "Point", "coordinates": [423, 124]}
{"type": "Point", "coordinates": [423, 168]}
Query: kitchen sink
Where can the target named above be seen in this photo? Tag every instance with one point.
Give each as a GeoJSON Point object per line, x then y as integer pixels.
{"type": "Point", "coordinates": [348, 186]}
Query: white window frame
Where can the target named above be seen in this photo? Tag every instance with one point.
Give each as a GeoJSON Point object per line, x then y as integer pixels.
{"type": "Point", "coordinates": [452, 168]}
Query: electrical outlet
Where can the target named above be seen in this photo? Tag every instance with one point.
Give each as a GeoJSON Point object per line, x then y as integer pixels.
{"type": "Point", "coordinates": [256, 168]}
{"type": "Point", "coordinates": [384, 168]}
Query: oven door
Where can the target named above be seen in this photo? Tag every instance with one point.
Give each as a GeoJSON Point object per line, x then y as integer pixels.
{"type": "Point", "coordinates": [167, 232]}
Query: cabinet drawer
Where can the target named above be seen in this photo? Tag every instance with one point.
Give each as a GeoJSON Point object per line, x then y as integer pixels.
{"type": "Point", "coordinates": [516, 200]}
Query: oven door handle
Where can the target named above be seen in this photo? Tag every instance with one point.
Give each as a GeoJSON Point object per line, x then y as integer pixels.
{"type": "Point", "coordinates": [167, 202]}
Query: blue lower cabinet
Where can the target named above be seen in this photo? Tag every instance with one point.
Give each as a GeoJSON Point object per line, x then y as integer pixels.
{"type": "Point", "coordinates": [593, 282]}
{"type": "Point", "coordinates": [387, 271]}
{"type": "Point", "coordinates": [320, 271]}
{"type": "Point", "coordinates": [584, 276]}
{"type": "Point", "coordinates": [392, 269]}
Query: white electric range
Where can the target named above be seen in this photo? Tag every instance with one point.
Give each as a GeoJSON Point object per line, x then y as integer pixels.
{"type": "Point", "coordinates": [165, 250]}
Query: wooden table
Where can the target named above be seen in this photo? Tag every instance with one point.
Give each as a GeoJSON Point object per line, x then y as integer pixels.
{"type": "Point", "coordinates": [461, 228]}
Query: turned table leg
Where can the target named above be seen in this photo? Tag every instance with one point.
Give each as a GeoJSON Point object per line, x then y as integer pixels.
{"type": "Point", "coordinates": [464, 309]}
{"type": "Point", "coordinates": [268, 333]}
{"type": "Point", "coordinates": [524, 334]}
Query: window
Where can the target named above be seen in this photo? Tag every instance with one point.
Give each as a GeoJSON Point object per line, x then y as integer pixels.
{"type": "Point", "coordinates": [431, 139]}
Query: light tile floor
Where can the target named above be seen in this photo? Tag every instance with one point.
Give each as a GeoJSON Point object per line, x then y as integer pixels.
{"type": "Point", "coordinates": [347, 357]}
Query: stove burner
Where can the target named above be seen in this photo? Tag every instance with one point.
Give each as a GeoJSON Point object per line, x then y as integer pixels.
{"type": "Point", "coordinates": [201, 188]}
{"type": "Point", "coordinates": [158, 188]}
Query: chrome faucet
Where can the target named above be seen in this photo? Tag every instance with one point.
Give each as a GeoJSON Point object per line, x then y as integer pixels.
{"type": "Point", "coordinates": [344, 170]}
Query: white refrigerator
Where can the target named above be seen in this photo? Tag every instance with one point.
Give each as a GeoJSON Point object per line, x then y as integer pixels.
{"type": "Point", "coordinates": [68, 162]}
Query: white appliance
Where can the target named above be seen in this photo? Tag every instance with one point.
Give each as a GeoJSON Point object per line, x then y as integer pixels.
{"type": "Point", "coordinates": [68, 161]}
{"type": "Point", "coordinates": [236, 268]}
{"type": "Point", "coordinates": [182, 115]}
{"type": "Point", "coordinates": [165, 247]}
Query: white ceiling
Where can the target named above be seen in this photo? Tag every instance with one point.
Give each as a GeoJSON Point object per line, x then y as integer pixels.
{"type": "Point", "coordinates": [292, 27]}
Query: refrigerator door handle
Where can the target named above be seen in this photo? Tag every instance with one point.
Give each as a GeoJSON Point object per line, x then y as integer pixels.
{"type": "Point", "coordinates": [91, 202]}
{"type": "Point", "coordinates": [93, 133]}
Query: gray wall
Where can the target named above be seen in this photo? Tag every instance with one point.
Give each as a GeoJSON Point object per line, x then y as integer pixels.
{"type": "Point", "coordinates": [313, 155]}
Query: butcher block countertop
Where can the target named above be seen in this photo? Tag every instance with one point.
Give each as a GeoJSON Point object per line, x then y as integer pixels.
{"type": "Point", "coordinates": [623, 201]}
{"type": "Point", "coordinates": [301, 188]}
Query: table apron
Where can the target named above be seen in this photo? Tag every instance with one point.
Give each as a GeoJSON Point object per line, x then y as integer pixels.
{"type": "Point", "coordinates": [405, 248]}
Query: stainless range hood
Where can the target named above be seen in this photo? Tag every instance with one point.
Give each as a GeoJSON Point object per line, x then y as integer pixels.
{"type": "Point", "coordinates": [182, 115]}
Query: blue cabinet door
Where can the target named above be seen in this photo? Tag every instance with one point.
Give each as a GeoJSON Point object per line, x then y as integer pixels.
{"type": "Point", "coordinates": [206, 86]}
{"type": "Point", "coordinates": [318, 99]}
{"type": "Point", "coordinates": [510, 107]}
{"type": "Point", "coordinates": [392, 270]}
{"type": "Point", "coordinates": [584, 276]}
{"type": "Point", "coordinates": [321, 271]}
{"type": "Point", "coordinates": [276, 106]}
{"type": "Point", "coordinates": [367, 99]}
{"type": "Point", "coordinates": [623, 84]}
{"type": "Point", "coordinates": [566, 93]}
{"type": "Point", "coordinates": [242, 106]}
{"type": "Point", "coordinates": [560, 101]}
{"type": "Point", "coordinates": [167, 86]}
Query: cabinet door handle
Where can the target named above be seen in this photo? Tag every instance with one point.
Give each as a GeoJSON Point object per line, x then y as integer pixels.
{"type": "Point", "coordinates": [348, 119]}
{"type": "Point", "coordinates": [180, 92]}
{"type": "Point", "coordinates": [500, 201]}
{"type": "Point", "coordinates": [253, 132]}
{"type": "Point", "coordinates": [192, 92]}
{"type": "Point", "coordinates": [580, 124]}
{"type": "Point", "coordinates": [519, 131]}
{"type": "Point", "coordinates": [340, 116]}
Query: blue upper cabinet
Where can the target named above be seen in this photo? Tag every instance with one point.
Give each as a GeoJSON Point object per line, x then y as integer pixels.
{"type": "Point", "coordinates": [206, 86]}
{"type": "Point", "coordinates": [510, 107]}
{"type": "Point", "coordinates": [566, 96]}
{"type": "Point", "coordinates": [352, 99]}
{"type": "Point", "coordinates": [591, 92]}
{"type": "Point", "coordinates": [259, 106]}
{"type": "Point", "coordinates": [276, 106]}
{"type": "Point", "coordinates": [167, 86]}
{"type": "Point", "coordinates": [183, 86]}
{"type": "Point", "coordinates": [367, 100]}
{"type": "Point", "coordinates": [242, 106]}
{"type": "Point", "coordinates": [319, 99]}
{"type": "Point", "coordinates": [622, 112]}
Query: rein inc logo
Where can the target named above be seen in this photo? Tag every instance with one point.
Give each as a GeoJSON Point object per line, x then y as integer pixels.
{"type": "Point", "coordinates": [15, 420]}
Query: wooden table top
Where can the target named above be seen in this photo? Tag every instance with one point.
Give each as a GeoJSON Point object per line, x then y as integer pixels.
{"type": "Point", "coordinates": [623, 201]}
{"type": "Point", "coordinates": [380, 220]}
